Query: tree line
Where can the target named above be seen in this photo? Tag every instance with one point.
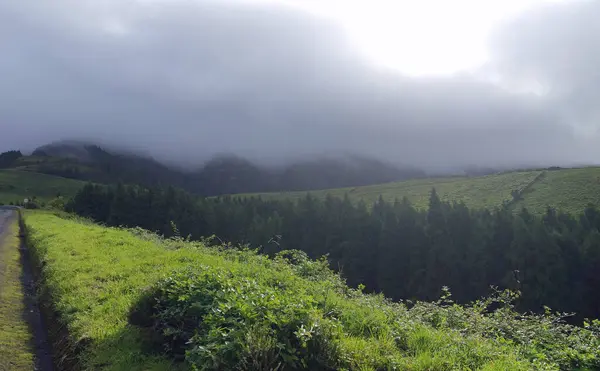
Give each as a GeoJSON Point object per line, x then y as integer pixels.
{"type": "Point", "coordinates": [388, 247]}
{"type": "Point", "coordinates": [8, 158]}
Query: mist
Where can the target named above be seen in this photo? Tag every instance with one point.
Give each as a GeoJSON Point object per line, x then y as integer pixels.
{"type": "Point", "coordinates": [186, 80]}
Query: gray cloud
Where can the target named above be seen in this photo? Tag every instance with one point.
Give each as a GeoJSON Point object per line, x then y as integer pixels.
{"type": "Point", "coordinates": [187, 79]}
{"type": "Point", "coordinates": [556, 48]}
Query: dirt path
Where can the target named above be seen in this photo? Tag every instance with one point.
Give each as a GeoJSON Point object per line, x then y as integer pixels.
{"type": "Point", "coordinates": [23, 344]}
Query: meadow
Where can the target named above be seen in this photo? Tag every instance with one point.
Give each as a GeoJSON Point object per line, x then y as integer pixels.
{"type": "Point", "coordinates": [568, 190]}
{"type": "Point", "coordinates": [475, 192]}
{"type": "Point", "coordinates": [131, 300]}
{"type": "Point", "coordinates": [16, 185]}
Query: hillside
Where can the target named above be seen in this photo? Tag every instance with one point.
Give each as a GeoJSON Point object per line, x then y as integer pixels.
{"type": "Point", "coordinates": [478, 192]}
{"type": "Point", "coordinates": [15, 185]}
{"type": "Point", "coordinates": [139, 293]}
{"type": "Point", "coordinates": [222, 174]}
{"type": "Point", "coordinates": [569, 190]}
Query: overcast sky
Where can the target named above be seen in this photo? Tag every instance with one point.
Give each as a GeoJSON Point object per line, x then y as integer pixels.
{"type": "Point", "coordinates": [431, 83]}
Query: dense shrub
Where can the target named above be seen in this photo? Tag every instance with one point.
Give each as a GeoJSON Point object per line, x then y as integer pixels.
{"type": "Point", "coordinates": [546, 339]}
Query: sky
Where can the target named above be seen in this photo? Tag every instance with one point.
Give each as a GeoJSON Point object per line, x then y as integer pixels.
{"type": "Point", "coordinates": [431, 83]}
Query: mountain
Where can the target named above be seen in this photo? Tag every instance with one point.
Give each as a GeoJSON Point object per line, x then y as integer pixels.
{"type": "Point", "coordinates": [90, 162]}
{"type": "Point", "coordinates": [223, 174]}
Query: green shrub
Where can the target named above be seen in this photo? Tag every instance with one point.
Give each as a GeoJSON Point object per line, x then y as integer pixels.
{"type": "Point", "coordinates": [545, 339]}
{"type": "Point", "coordinates": [221, 320]}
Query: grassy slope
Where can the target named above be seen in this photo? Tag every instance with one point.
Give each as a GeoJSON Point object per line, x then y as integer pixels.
{"type": "Point", "coordinates": [477, 192]}
{"type": "Point", "coordinates": [38, 163]}
{"type": "Point", "coordinates": [15, 337]}
{"type": "Point", "coordinates": [569, 190]}
{"type": "Point", "coordinates": [94, 275]}
{"type": "Point", "coordinates": [16, 185]}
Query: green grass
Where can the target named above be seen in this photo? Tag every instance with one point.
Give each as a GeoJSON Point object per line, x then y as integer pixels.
{"type": "Point", "coordinates": [15, 185]}
{"type": "Point", "coordinates": [478, 192]}
{"type": "Point", "coordinates": [569, 190]}
{"type": "Point", "coordinates": [94, 276]}
{"type": "Point", "coordinates": [15, 336]}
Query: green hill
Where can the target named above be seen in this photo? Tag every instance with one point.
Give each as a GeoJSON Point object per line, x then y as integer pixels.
{"type": "Point", "coordinates": [570, 190]}
{"type": "Point", "coordinates": [15, 185]}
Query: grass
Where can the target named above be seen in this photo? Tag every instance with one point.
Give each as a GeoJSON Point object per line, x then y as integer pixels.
{"type": "Point", "coordinates": [477, 192]}
{"type": "Point", "coordinates": [15, 185]}
{"type": "Point", "coordinates": [95, 278]}
{"type": "Point", "coordinates": [15, 336]}
{"type": "Point", "coordinates": [569, 190]}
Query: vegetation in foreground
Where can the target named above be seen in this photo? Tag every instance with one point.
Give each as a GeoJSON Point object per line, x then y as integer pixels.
{"type": "Point", "coordinates": [392, 248]}
{"type": "Point", "coordinates": [133, 301]}
{"type": "Point", "coordinates": [16, 353]}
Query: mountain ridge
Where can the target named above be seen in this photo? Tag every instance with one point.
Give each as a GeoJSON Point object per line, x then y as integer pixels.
{"type": "Point", "coordinates": [225, 173]}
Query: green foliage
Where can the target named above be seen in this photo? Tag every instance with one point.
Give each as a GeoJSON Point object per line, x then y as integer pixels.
{"type": "Point", "coordinates": [118, 294]}
{"type": "Point", "coordinates": [57, 203]}
{"type": "Point", "coordinates": [545, 338]}
{"type": "Point", "coordinates": [276, 313]}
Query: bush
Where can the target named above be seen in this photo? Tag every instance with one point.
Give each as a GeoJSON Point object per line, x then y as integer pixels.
{"type": "Point", "coordinates": [219, 320]}
{"type": "Point", "coordinates": [545, 339]}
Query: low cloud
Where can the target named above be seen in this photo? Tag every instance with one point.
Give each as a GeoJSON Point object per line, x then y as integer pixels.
{"type": "Point", "coordinates": [184, 80]}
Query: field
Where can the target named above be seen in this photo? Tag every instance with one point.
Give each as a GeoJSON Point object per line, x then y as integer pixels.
{"type": "Point", "coordinates": [569, 190]}
{"type": "Point", "coordinates": [16, 185]}
{"type": "Point", "coordinates": [256, 313]}
{"type": "Point", "coordinates": [16, 353]}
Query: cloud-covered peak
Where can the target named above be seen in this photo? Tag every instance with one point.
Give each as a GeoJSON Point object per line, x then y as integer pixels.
{"type": "Point", "coordinates": [184, 80]}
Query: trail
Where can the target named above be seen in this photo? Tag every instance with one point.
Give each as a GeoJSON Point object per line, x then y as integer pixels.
{"type": "Point", "coordinates": [513, 204]}
{"type": "Point", "coordinates": [20, 319]}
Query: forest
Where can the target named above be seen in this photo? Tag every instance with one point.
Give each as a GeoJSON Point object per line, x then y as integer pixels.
{"type": "Point", "coordinates": [392, 248]}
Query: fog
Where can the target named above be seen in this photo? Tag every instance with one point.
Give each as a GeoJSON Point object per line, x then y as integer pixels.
{"type": "Point", "coordinates": [184, 80]}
